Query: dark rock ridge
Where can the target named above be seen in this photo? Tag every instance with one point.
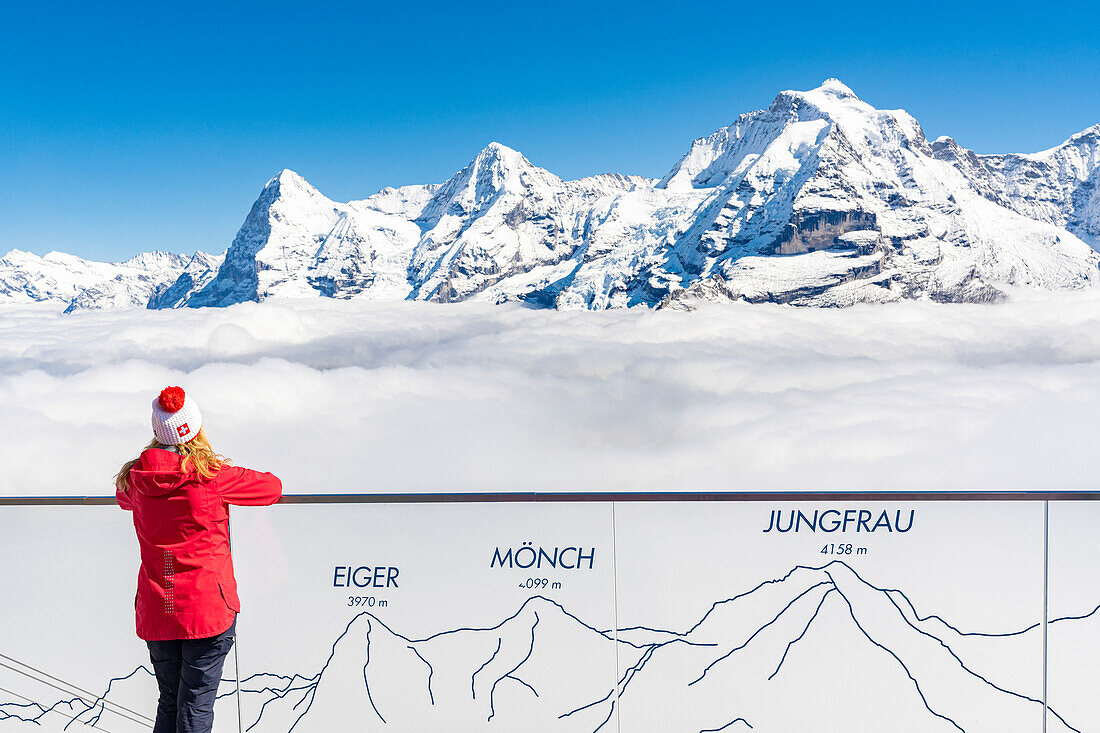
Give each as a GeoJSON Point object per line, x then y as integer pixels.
{"type": "Point", "coordinates": [810, 231]}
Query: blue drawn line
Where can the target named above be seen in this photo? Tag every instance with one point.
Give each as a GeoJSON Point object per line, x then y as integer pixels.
{"type": "Point", "coordinates": [754, 634]}
{"type": "Point", "coordinates": [792, 642]}
{"type": "Point", "coordinates": [679, 637]}
{"type": "Point", "coordinates": [280, 694]}
{"type": "Point", "coordinates": [71, 703]}
{"type": "Point", "coordinates": [312, 694]}
{"type": "Point", "coordinates": [908, 674]}
{"type": "Point", "coordinates": [796, 568]}
{"type": "Point", "coordinates": [609, 714]}
{"type": "Point", "coordinates": [530, 651]}
{"type": "Point", "coordinates": [1075, 618]}
{"type": "Point", "coordinates": [727, 725]}
{"type": "Point", "coordinates": [274, 690]}
{"type": "Point", "coordinates": [921, 619]}
{"type": "Point", "coordinates": [42, 710]}
{"type": "Point", "coordinates": [636, 667]}
{"type": "Point", "coordinates": [749, 592]}
{"type": "Point", "coordinates": [585, 707]}
{"type": "Point", "coordinates": [249, 678]}
{"type": "Point", "coordinates": [605, 634]}
{"type": "Point", "coordinates": [643, 660]}
{"type": "Point", "coordinates": [629, 675]}
{"type": "Point", "coordinates": [1034, 626]}
{"type": "Point", "coordinates": [517, 679]}
{"type": "Point", "coordinates": [101, 700]}
{"type": "Point", "coordinates": [483, 666]}
{"type": "Point", "coordinates": [638, 664]}
{"type": "Point", "coordinates": [715, 605]}
{"type": "Point", "coordinates": [431, 671]}
{"type": "Point", "coordinates": [956, 656]}
{"type": "Point", "coordinates": [365, 683]}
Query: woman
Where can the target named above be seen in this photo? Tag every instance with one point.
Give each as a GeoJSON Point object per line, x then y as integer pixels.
{"type": "Point", "coordinates": [179, 490]}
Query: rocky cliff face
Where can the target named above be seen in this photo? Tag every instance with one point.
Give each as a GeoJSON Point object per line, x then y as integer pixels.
{"type": "Point", "coordinates": [820, 199]}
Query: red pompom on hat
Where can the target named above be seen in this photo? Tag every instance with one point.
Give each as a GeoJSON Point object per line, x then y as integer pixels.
{"type": "Point", "coordinates": [176, 417]}
{"type": "Point", "coordinates": [171, 399]}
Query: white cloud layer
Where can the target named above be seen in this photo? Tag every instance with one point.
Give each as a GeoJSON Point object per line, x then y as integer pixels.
{"type": "Point", "coordinates": [393, 397]}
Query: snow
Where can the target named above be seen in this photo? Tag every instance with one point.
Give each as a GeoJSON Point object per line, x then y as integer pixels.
{"type": "Point", "coordinates": [72, 282]}
{"type": "Point", "coordinates": [406, 396]}
{"type": "Point", "coordinates": [504, 230]}
{"type": "Point", "coordinates": [779, 183]}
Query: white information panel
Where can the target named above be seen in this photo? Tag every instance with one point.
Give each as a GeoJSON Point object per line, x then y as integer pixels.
{"type": "Point", "coordinates": [639, 617]}
{"type": "Point", "coordinates": [69, 656]}
{"type": "Point", "coordinates": [68, 653]}
{"type": "Point", "coordinates": [421, 617]}
{"type": "Point", "coordinates": [1073, 660]}
{"type": "Point", "coordinates": [831, 617]}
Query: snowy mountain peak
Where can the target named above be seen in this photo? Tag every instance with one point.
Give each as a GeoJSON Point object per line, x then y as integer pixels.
{"type": "Point", "coordinates": [835, 87]}
{"type": "Point", "coordinates": [1090, 133]}
{"type": "Point", "coordinates": [18, 256]}
{"type": "Point", "coordinates": [501, 155]}
{"type": "Point", "coordinates": [495, 170]}
{"type": "Point", "coordinates": [283, 230]}
{"type": "Point", "coordinates": [286, 177]}
{"type": "Point", "coordinates": [834, 102]}
{"type": "Point", "coordinates": [831, 96]}
{"type": "Point", "coordinates": [159, 259]}
{"type": "Point", "coordinates": [288, 184]}
{"type": "Point", "coordinates": [500, 163]}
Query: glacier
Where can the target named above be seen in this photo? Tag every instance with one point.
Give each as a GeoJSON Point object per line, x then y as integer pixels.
{"type": "Point", "coordinates": [820, 200]}
{"type": "Point", "coordinates": [79, 284]}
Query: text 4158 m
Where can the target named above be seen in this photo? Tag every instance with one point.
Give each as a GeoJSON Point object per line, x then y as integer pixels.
{"type": "Point", "coordinates": [843, 549]}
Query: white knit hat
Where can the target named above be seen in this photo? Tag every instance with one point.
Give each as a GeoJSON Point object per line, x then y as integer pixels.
{"type": "Point", "coordinates": [176, 417]}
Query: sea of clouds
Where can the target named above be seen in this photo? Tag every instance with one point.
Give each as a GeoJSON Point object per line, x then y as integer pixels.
{"type": "Point", "coordinates": [346, 396]}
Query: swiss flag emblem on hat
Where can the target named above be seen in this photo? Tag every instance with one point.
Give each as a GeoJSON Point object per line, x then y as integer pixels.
{"type": "Point", "coordinates": [183, 430]}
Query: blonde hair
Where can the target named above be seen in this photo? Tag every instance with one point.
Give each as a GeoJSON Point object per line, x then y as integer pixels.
{"type": "Point", "coordinates": [196, 454]}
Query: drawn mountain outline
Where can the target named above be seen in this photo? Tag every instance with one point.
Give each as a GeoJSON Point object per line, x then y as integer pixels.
{"type": "Point", "coordinates": [818, 643]}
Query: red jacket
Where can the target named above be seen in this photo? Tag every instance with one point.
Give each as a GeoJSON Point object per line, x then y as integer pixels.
{"type": "Point", "coordinates": [186, 588]}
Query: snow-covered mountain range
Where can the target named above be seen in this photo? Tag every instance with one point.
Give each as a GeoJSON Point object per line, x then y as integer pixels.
{"type": "Point", "coordinates": [820, 199]}
{"type": "Point", "coordinates": [85, 284]}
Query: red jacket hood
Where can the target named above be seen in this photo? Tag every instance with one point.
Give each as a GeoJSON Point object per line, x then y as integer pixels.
{"type": "Point", "coordinates": [157, 472]}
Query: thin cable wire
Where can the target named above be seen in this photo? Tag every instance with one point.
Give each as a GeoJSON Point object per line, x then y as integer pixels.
{"type": "Point", "coordinates": [90, 703]}
{"type": "Point", "coordinates": [50, 710]}
{"type": "Point", "coordinates": [91, 694]}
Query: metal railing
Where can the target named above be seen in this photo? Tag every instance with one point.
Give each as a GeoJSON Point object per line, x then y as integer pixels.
{"type": "Point", "coordinates": [608, 496]}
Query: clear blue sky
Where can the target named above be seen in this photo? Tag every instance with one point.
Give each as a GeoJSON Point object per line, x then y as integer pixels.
{"type": "Point", "coordinates": [128, 127]}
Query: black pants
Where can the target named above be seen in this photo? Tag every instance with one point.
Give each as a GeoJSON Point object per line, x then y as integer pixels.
{"type": "Point", "coordinates": [188, 672]}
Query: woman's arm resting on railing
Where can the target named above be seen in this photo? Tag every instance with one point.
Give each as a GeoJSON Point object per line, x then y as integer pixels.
{"type": "Point", "coordinates": [245, 487]}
